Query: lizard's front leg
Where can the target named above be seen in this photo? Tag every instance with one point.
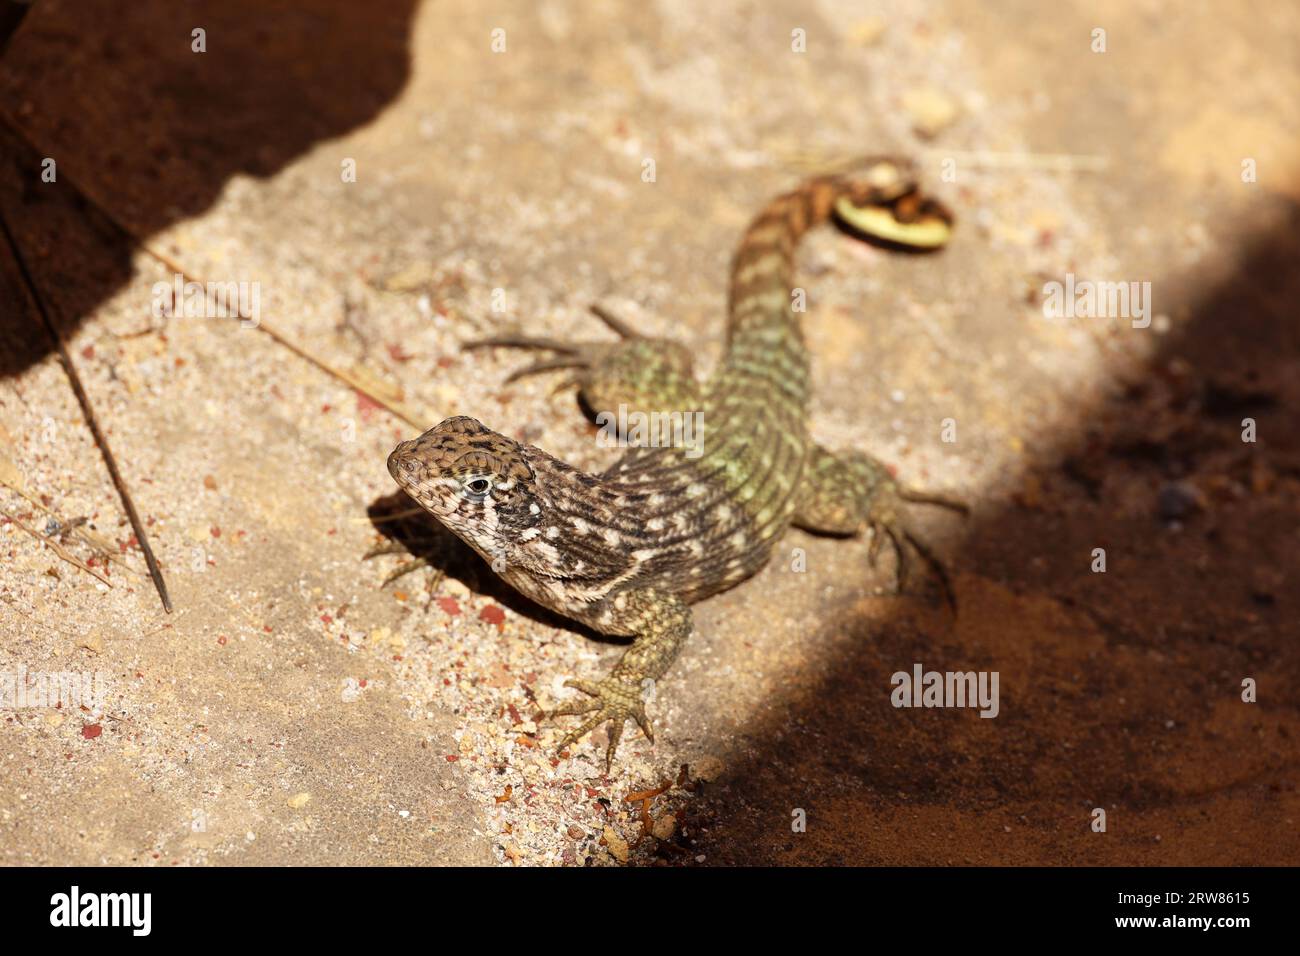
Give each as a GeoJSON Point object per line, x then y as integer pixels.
{"type": "Point", "coordinates": [646, 374]}
{"type": "Point", "coordinates": [661, 623]}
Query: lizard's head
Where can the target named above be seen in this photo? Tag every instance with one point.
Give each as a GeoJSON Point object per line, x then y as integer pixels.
{"type": "Point", "coordinates": [476, 482]}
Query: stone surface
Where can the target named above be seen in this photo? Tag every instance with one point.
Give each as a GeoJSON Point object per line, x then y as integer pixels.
{"type": "Point", "coordinates": [505, 189]}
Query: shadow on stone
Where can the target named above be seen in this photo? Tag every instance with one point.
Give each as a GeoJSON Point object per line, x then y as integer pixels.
{"type": "Point", "coordinates": [1120, 690]}
{"type": "Point", "coordinates": [117, 97]}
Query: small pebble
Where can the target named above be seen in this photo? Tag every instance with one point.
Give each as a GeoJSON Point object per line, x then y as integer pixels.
{"type": "Point", "coordinates": [1179, 499]}
{"type": "Point", "coordinates": [931, 111]}
{"type": "Point", "coordinates": [617, 845]}
{"type": "Point", "coordinates": [664, 827]}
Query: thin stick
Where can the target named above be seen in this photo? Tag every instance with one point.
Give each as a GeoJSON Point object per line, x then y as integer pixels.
{"type": "Point", "coordinates": [101, 547]}
{"type": "Point", "coordinates": [57, 548]}
{"type": "Point", "coordinates": [1054, 162]}
{"type": "Point", "coordinates": [88, 411]}
{"type": "Point", "coordinates": [613, 321]}
{"type": "Point", "coordinates": [349, 379]}
{"type": "Point", "coordinates": [980, 159]}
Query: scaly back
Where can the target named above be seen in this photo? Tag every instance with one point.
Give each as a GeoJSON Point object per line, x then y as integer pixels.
{"type": "Point", "coordinates": [741, 493]}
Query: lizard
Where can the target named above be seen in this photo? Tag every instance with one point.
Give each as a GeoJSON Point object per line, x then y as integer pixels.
{"type": "Point", "coordinates": [628, 551]}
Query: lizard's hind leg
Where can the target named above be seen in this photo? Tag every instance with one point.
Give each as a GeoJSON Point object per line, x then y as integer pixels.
{"type": "Point", "coordinates": [851, 492]}
{"type": "Point", "coordinates": [644, 374]}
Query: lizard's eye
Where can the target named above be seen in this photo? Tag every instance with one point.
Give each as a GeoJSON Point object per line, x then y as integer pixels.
{"type": "Point", "coordinates": [478, 486]}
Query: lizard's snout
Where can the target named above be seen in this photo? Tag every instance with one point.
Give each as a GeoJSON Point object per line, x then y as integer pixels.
{"type": "Point", "coordinates": [401, 462]}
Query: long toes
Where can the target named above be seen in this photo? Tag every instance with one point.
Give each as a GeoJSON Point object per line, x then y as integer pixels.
{"type": "Point", "coordinates": [615, 735]}
{"type": "Point", "coordinates": [900, 559]}
{"type": "Point", "coordinates": [522, 342]}
{"type": "Point", "coordinates": [569, 381]}
{"type": "Point", "coordinates": [613, 321]}
{"type": "Point", "coordinates": [546, 365]}
{"type": "Point", "coordinates": [643, 722]}
{"type": "Point", "coordinates": [873, 549]}
{"type": "Point", "coordinates": [405, 568]}
{"type": "Point", "coordinates": [931, 498]}
{"type": "Point", "coordinates": [575, 707]}
{"type": "Point", "coordinates": [937, 566]}
{"type": "Point", "coordinates": [586, 686]}
{"type": "Point", "coordinates": [382, 549]}
{"type": "Point", "coordinates": [587, 727]}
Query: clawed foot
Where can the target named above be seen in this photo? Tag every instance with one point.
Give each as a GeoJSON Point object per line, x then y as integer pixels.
{"type": "Point", "coordinates": [575, 355]}
{"type": "Point", "coordinates": [886, 522]}
{"type": "Point", "coordinates": [615, 701]}
{"type": "Point", "coordinates": [406, 567]}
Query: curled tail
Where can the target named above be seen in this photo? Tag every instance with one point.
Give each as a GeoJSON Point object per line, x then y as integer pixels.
{"type": "Point", "coordinates": [880, 201]}
{"type": "Point", "coordinates": [766, 355]}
